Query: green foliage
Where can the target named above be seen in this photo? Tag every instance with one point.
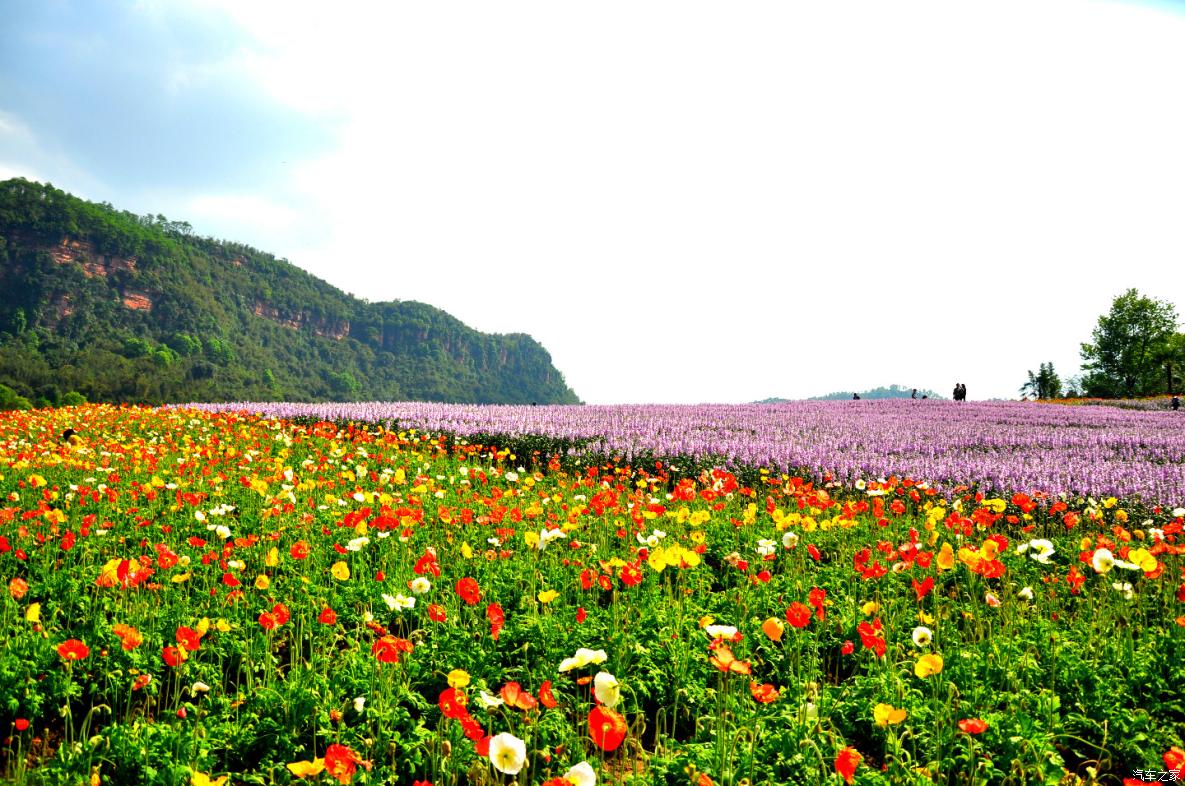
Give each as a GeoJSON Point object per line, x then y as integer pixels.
{"type": "Point", "coordinates": [1044, 384]}
{"type": "Point", "coordinates": [1130, 347]}
{"type": "Point", "coordinates": [72, 399]}
{"type": "Point", "coordinates": [222, 314]}
{"type": "Point", "coordinates": [9, 399]}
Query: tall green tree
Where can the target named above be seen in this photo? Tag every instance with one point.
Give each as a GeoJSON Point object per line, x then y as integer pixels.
{"type": "Point", "coordinates": [1044, 384]}
{"type": "Point", "coordinates": [1129, 347]}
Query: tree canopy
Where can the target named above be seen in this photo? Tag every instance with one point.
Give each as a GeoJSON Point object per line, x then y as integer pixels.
{"type": "Point", "coordinates": [1134, 349]}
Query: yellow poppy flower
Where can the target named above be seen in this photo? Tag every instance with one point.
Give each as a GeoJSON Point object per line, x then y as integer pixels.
{"type": "Point", "coordinates": [340, 571]}
{"type": "Point", "coordinates": [202, 779]}
{"type": "Point", "coordinates": [946, 557]}
{"type": "Point", "coordinates": [887, 715]}
{"type": "Point", "coordinates": [547, 596]}
{"type": "Point", "coordinates": [307, 769]}
{"type": "Point", "coordinates": [928, 665]}
{"type": "Point", "coordinates": [458, 678]}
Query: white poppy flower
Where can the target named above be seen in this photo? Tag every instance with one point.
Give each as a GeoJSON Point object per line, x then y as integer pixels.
{"type": "Point", "coordinates": [581, 775]}
{"type": "Point", "coordinates": [508, 753]}
{"type": "Point", "coordinates": [606, 689]}
{"type": "Point", "coordinates": [922, 636]}
{"type": "Point", "coordinates": [721, 631]}
{"type": "Point", "coordinates": [1102, 561]}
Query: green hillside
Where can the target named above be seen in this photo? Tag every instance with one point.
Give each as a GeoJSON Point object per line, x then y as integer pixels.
{"type": "Point", "coordinates": [119, 307]}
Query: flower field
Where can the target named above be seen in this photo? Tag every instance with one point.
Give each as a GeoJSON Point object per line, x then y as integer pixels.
{"type": "Point", "coordinates": [848, 592]}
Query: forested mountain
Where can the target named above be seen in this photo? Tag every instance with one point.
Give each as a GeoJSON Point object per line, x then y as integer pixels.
{"type": "Point", "coordinates": [892, 391]}
{"type": "Point", "coordinates": [118, 307]}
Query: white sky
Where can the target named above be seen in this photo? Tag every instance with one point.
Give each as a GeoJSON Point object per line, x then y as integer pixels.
{"type": "Point", "coordinates": [701, 202]}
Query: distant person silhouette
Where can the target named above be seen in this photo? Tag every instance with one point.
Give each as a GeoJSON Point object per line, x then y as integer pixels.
{"type": "Point", "coordinates": [960, 391]}
{"type": "Point", "coordinates": [855, 397]}
{"type": "Point", "coordinates": [914, 394]}
{"type": "Point", "coordinates": [1176, 403]}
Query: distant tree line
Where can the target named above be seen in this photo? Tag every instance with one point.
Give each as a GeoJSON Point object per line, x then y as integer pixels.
{"type": "Point", "coordinates": [1136, 350]}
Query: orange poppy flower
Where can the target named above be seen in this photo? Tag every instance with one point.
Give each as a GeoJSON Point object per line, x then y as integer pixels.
{"type": "Point", "coordinates": [546, 697]}
{"type": "Point", "coordinates": [725, 661]}
{"type": "Point", "coordinates": [129, 637]}
{"type": "Point", "coordinates": [342, 763]}
{"type": "Point", "coordinates": [765, 693]}
{"type": "Point", "coordinates": [973, 725]}
{"type": "Point", "coordinates": [513, 694]}
{"type": "Point", "coordinates": [73, 649]}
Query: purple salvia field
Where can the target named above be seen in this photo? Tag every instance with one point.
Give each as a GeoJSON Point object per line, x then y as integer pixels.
{"type": "Point", "coordinates": [1003, 446]}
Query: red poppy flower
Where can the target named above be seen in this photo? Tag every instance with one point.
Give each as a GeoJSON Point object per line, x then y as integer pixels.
{"type": "Point", "coordinates": [469, 591]}
{"type": "Point", "coordinates": [1174, 759]}
{"type": "Point", "coordinates": [848, 648]}
{"type": "Point", "coordinates": [581, 614]}
{"type": "Point", "coordinates": [73, 649]}
{"type": "Point", "coordinates": [299, 550]}
{"type": "Point", "coordinates": [452, 703]}
{"type": "Point", "coordinates": [327, 617]}
{"type": "Point", "coordinates": [816, 599]}
{"type": "Point", "coordinates": [798, 615]}
{"type": "Point", "coordinates": [922, 589]}
{"type": "Point", "coordinates": [189, 638]}
{"type": "Point", "coordinates": [973, 725]}
{"type": "Point", "coordinates": [630, 575]}
{"type": "Point", "coordinates": [473, 730]}
{"type": "Point", "coordinates": [814, 552]}
{"type": "Point", "coordinates": [497, 619]}
{"type": "Point", "coordinates": [436, 612]}
{"type": "Point", "coordinates": [427, 564]}
{"type": "Point", "coordinates": [173, 656]}
{"type": "Point", "coordinates": [21, 724]}
{"type": "Point", "coordinates": [268, 621]}
{"type": "Point", "coordinates": [846, 762]}
{"type": "Point", "coordinates": [546, 697]}
{"type": "Point", "coordinates": [607, 728]}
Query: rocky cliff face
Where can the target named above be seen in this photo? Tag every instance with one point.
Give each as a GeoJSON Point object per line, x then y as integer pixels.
{"type": "Point", "coordinates": [83, 254]}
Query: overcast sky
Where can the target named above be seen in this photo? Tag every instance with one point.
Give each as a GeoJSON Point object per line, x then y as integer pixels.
{"type": "Point", "coordinates": [682, 201]}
